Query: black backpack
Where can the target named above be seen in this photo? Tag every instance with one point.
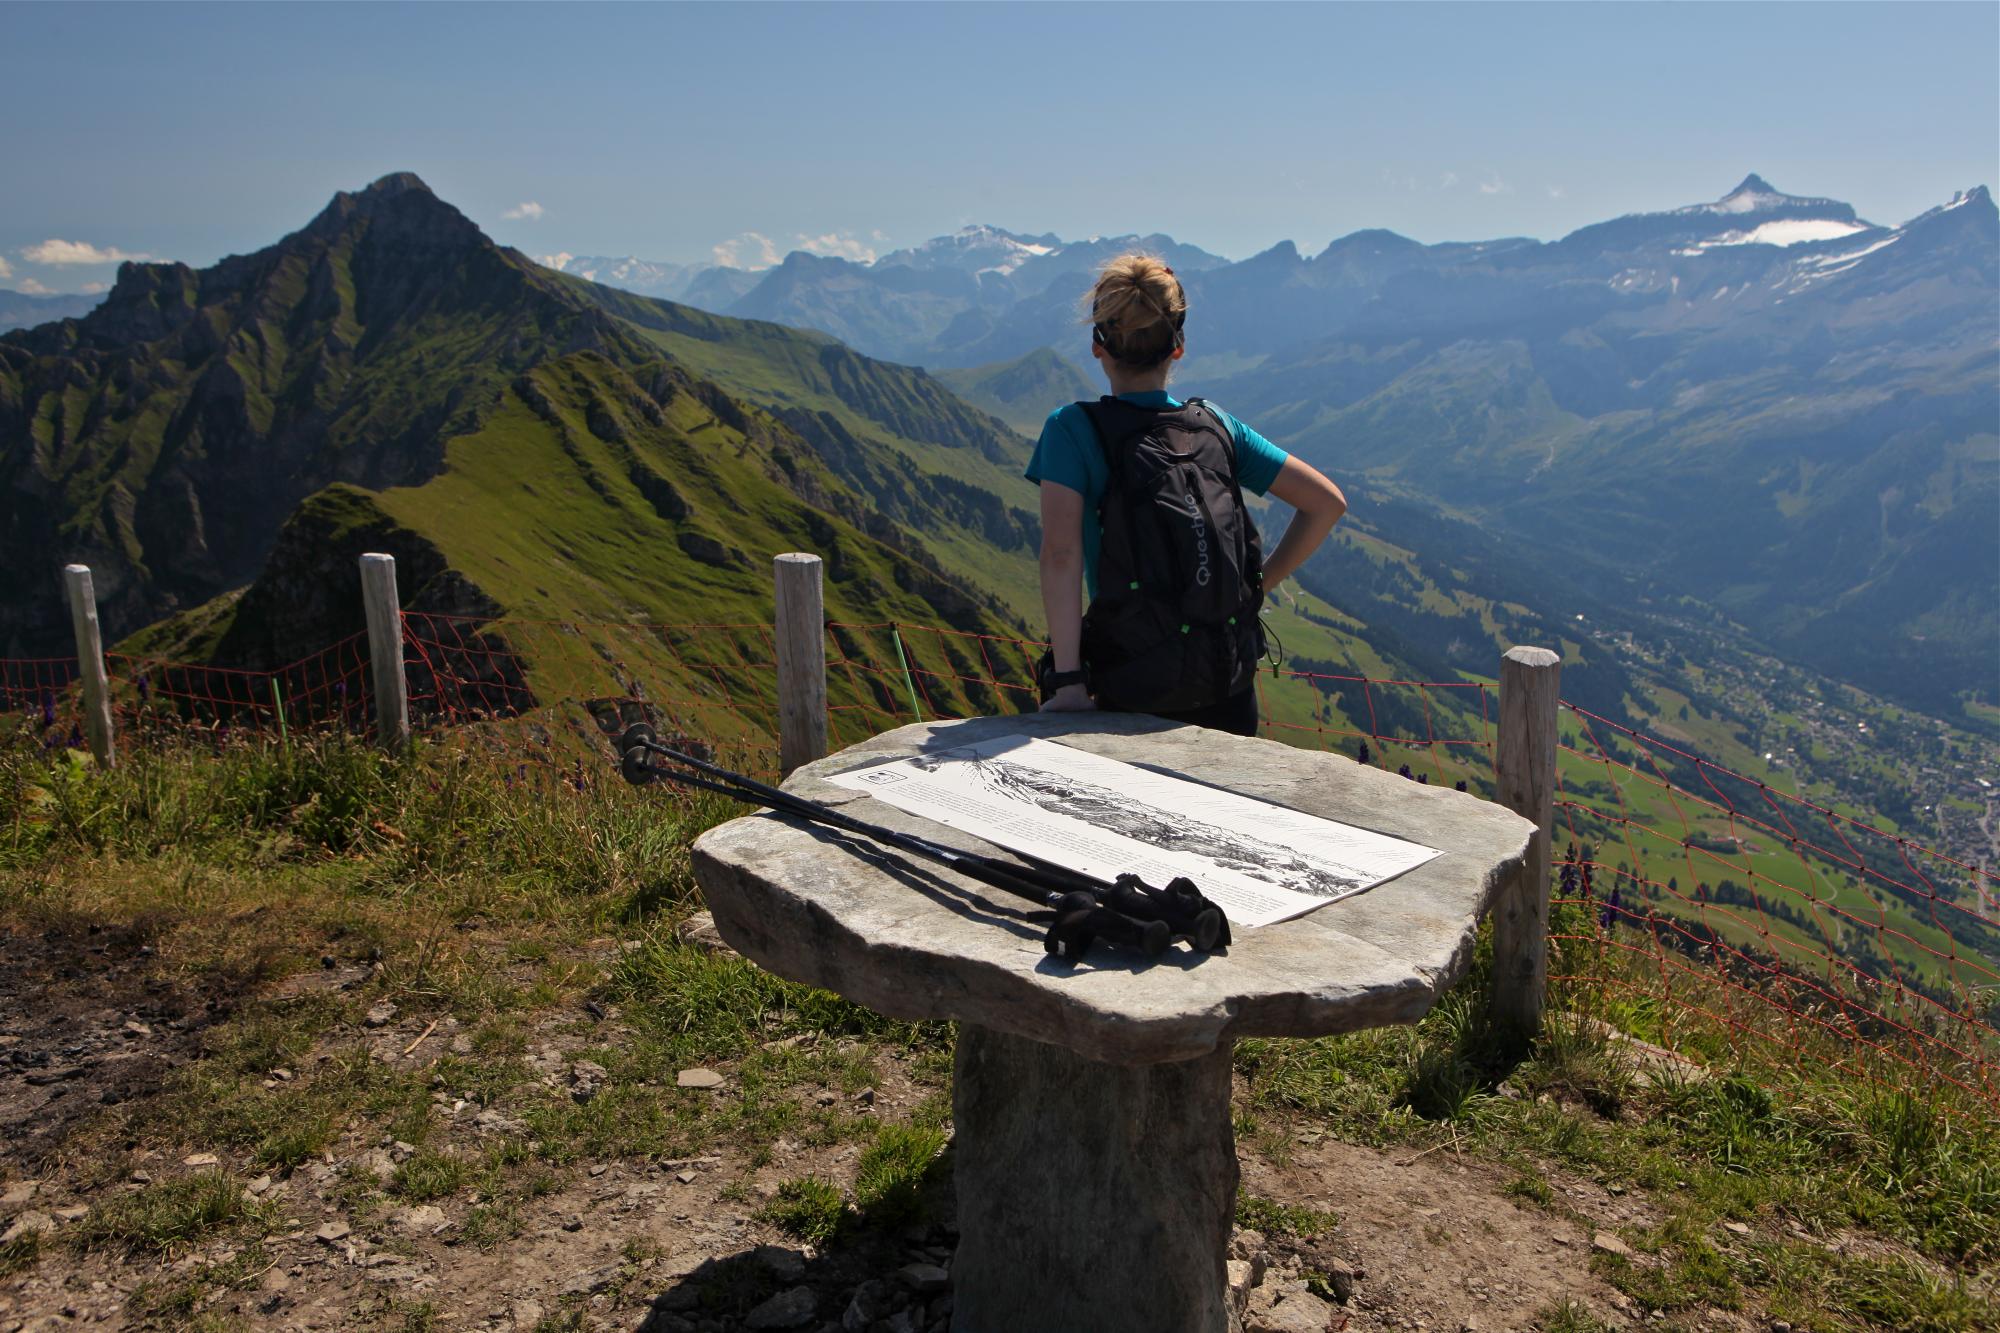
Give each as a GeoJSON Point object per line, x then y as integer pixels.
{"type": "Point", "coordinates": [1180, 573]}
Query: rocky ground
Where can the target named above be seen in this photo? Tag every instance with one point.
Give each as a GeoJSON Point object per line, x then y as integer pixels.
{"type": "Point", "coordinates": [1357, 1238]}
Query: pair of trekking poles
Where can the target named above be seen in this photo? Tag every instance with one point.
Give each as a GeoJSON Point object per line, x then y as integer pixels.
{"type": "Point", "coordinates": [1125, 912]}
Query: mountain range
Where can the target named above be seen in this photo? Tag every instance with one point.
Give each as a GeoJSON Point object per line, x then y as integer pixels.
{"type": "Point", "coordinates": [24, 310]}
{"type": "Point", "coordinates": [218, 445]}
{"type": "Point", "coordinates": [1764, 402]}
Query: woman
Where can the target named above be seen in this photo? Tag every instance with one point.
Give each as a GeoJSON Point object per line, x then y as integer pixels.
{"type": "Point", "coordinates": [1137, 309]}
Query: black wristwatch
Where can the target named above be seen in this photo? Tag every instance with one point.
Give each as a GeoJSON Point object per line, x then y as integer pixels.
{"type": "Point", "coordinates": [1055, 680]}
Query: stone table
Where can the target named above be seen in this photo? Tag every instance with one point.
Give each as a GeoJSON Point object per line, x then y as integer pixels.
{"type": "Point", "coordinates": [1094, 1157]}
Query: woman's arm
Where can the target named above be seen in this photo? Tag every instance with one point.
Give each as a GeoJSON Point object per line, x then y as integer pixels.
{"type": "Point", "coordinates": [1062, 588]}
{"type": "Point", "coordinates": [1319, 504]}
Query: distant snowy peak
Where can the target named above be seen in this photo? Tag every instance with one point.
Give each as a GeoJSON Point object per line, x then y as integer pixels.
{"type": "Point", "coordinates": [1975, 201]}
{"type": "Point", "coordinates": [1756, 195]}
{"type": "Point", "coordinates": [647, 277]}
{"type": "Point", "coordinates": [1754, 213]}
{"type": "Point", "coordinates": [974, 249]}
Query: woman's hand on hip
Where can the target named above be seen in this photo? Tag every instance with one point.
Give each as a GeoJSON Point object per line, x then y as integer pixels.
{"type": "Point", "coordinates": [1069, 699]}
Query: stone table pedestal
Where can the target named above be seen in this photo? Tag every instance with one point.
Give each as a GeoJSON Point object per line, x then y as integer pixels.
{"type": "Point", "coordinates": [1095, 1165]}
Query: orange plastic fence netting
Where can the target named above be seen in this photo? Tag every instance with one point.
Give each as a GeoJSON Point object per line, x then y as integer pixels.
{"type": "Point", "coordinates": [1772, 917]}
{"type": "Point", "coordinates": [38, 692]}
{"type": "Point", "coordinates": [550, 689]}
{"type": "Point", "coordinates": [1440, 730]}
{"type": "Point", "coordinates": [329, 688]}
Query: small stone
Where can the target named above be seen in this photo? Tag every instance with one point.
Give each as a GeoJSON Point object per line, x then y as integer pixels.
{"type": "Point", "coordinates": [1287, 1308]}
{"type": "Point", "coordinates": [74, 1213]}
{"type": "Point", "coordinates": [282, 1075]}
{"type": "Point", "coordinates": [26, 1222]}
{"type": "Point", "coordinates": [699, 1078]}
{"type": "Point", "coordinates": [1606, 1243]}
{"type": "Point", "coordinates": [574, 1222]}
{"type": "Point", "coordinates": [924, 1279]}
{"type": "Point", "coordinates": [782, 1262]}
{"type": "Point", "coordinates": [787, 1309]}
{"type": "Point", "coordinates": [381, 1015]}
{"type": "Point", "coordinates": [491, 1121]}
{"type": "Point", "coordinates": [699, 930]}
{"type": "Point", "coordinates": [1342, 1277]}
{"type": "Point", "coordinates": [332, 1233]}
{"type": "Point", "coordinates": [597, 1169]}
{"type": "Point", "coordinates": [1240, 1283]}
{"type": "Point", "coordinates": [134, 1028]}
{"type": "Point", "coordinates": [421, 1220]}
{"type": "Point", "coordinates": [260, 1185]}
{"type": "Point", "coordinates": [1737, 1227]}
{"type": "Point", "coordinates": [590, 1283]}
{"type": "Point", "coordinates": [685, 1177]}
{"type": "Point", "coordinates": [1245, 1243]}
{"type": "Point", "coordinates": [18, 1193]}
{"type": "Point", "coordinates": [201, 1159]}
{"type": "Point", "coordinates": [872, 1300]}
{"type": "Point", "coordinates": [586, 1079]}
{"type": "Point", "coordinates": [526, 1313]}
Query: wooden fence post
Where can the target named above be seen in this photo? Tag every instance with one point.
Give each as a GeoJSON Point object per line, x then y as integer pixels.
{"type": "Point", "coordinates": [90, 663]}
{"type": "Point", "coordinates": [385, 650]}
{"type": "Point", "coordinates": [801, 634]}
{"type": "Point", "coordinates": [1524, 771]}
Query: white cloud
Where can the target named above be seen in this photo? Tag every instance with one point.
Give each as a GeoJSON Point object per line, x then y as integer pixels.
{"type": "Point", "coordinates": [53, 251]}
{"type": "Point", "coordinates": [1449, 179]}
{"type": "Point", "coordinates": [527, 210]}
{"type": "Point", "coordinates": [557, 261]}
{"type": "Point", "coordinates": [1555, 192]}
{"type": "Point", "coordinates": [752, 250]}
{"type": "Point", "coordinates": [879, 236]}
{"type": "Point", "coordinates": [5, 271]}
{"type": "Point", "coordinates": [93, 288]}
{"type": "Point", "coordinates": [838, 245]}
{"type": "Point", "coordinates": [33, 288]}
{"type": "Point", "coordinates": [1494, 185]}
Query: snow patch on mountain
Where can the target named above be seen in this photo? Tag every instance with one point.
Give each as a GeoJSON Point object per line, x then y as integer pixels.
{"type": "Point", "coordinates": [1781, 232]}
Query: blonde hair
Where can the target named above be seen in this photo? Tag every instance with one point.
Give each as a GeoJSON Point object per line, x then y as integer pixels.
{"type": "Point", "coordinates": [1135, 309]}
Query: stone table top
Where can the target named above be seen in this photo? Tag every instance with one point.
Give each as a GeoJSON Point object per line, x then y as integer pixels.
{"type": "Point", "coordinates": [914, 941]}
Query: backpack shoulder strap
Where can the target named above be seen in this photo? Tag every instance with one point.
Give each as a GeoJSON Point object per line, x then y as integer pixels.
{"type": "Point", "coordinates": [1214, 414]}
{"type": "Point", "coordinates": [1114, 421]}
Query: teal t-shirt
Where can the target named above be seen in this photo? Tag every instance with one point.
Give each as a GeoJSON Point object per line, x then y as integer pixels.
{"type": "Point", "coordinates": [1068, 454]}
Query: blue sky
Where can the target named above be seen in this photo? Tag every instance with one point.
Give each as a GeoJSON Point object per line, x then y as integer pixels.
{"type": "Point", "coordinates": [189, 132]}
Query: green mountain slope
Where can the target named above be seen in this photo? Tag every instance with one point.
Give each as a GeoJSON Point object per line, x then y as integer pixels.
{"type": "Point", "coordinates": [1022, 392]}
{"type": "Point", "coordinates": [389, 346]}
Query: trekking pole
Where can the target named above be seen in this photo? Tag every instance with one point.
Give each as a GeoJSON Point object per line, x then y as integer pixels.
{"type": "Point", "coordinates": [1081, 918]}
{"type": "Point", "coordinates": [1181, 907]}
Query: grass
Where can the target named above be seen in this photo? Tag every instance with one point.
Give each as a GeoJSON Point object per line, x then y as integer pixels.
{"type": "Point", "coordinates": [244, 872]}
{"type": "Point", "coordinates": [809, 1208]}
{"type": "Point", "coordinates": [1283, 1219]}
{"type": "Point", "coordinates": [169, 1216]}
{"type": "Point", "coordinates": [897, 1171]}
